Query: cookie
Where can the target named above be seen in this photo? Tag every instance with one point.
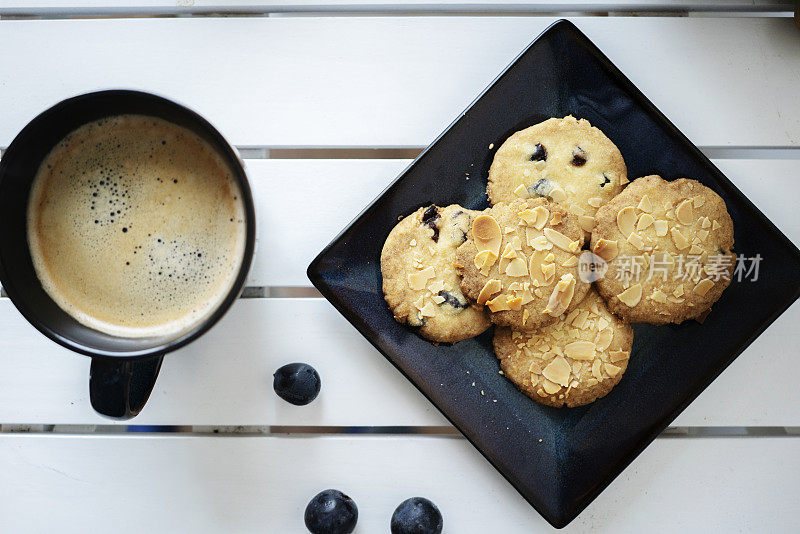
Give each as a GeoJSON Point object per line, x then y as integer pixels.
{"type": "Point", "coordinates": [566, 160]}
{"type": "Point", "coordinates": [521, 261]}
{"type": "Point", "coordinates": [668, 250]}
{"type": "Point", "coordinates": [572, 362]}
{"type": "Point", "coordinates": [420, 282]}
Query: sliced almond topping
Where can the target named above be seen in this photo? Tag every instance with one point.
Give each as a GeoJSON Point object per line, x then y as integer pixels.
{"type": "Point", "coordinates": [678, 291]}
{"type": "Point", "coordinates": [522, 192]}
{"type": "Point", "coordinates": [586, 222]}
{"type": "Point", "coordinates": [580, 350]}
{"type": "Point", "coordinates": [484, 261]}
{"type": "Point", "coordinates": [487, 233]}
{"type": "Point", "coordinates": [703, 286]}
{"type": "Point", "coordinates": [645, 221]}
{"type": "Point", "coordinates": [557, 371]}
{"type": "Point", "coordinates": [678, 238]}
{"type": "Point", "coordinates": [558, 194]}
{"type": "Point", "coordinates": [535, 267]}
{"type": "Point", "coordinates": [559, 239]}
{"type": "Point", "coordinates": [695, 250]}
{"type": "Point", "coordinates": [698, 201]}
{"type": "Point", "coordinates": [514, 286]}
{"type": "Point", "coordinates": [538, 292]}
{"type": "Point", "coordinates": [517, 267]}
{"type": "Point", "coordinates": [528, 216]}
{"type": "Point", "coordinates": [561, 296]}
{"type": "Point", "coordinates": [580, 320]}
{"type": "Point", "coordinates": [606, 249]}
{"type": "Point", "coordinates": [549, 387]}
{"type": "Point", "coordinates": [631, 296]}
{"type": "Point", "coordinates": [685, 212]}
{"type": "Point", "coordinates": [550, 258]}
{"type": "Point", "coordinates": [509, 230]}
{"type": "Point", "coordinates": [702, 234]}
{"type": "Point", "coordinates": [516, 243]}
{"type": "Point", "coordinates": [626, 220]}
{"type": "Point", "coordinates": [636, 240]}
{"type": "Point", "coordinates": [595, 202]}
{"type": "Point", "coordinates": [570, 262]}
{"type": "Point", "coordinates": [555, 220]}
{"type": "Point", "coordinates": [645, 205]}
{"type": "Point", "coordinates": [509, 252]}
{"type": "Point", "coordinates": [438, 299]}
{"type": "Point", "coordinates": [670, 214]}
{"type": "Point", "coordinates": [576, 367]}
{"type": "Point", "coordinates": [499, 303]}
{"type": "Point", "coordinates": [541, 215]}
{"type": "Point", "coordinates": [526, 295]}
{"type": "Point", "coordinates": [515, 303]}
{"type": "Point", "coordinates": [658, 296]}
{"type": "Point", "coordinates": [549, 271]}
{"type": "Point", "coordinates": [525, 315]}
{"type": "Point", "coordinates": [603, 323]}
{"type": "Point", "coordinates": [436, 286]}
{"type": "Point", "coordinates": [413, 243]}
{"type": "Point", "coordinates": [660, 227]}
{"type": "Point", "coordinates": [429, 310]}
{"type": "Point", "coordinates": [617, 355]}
{"type": "Point", "coordinates": [596, 369]}
{"type": "Point", "coordinates": [704, 222]}
{"type": "Point", "coordinates": [603, 339]}
{"type": "Point", "coordinates": [419, 303]}
{"type": "Point", "coordinates": [419, 279]}
{"type": "Point", "coordinates": [715, 225]}
{"type": "Point", "coordinates": [541, 243]}
{"type": "Point", "coordinates": [612, 370]}
{"type": "Point", "coordinates": [490, 288]}
{"type": "Point", "coordinates": [577, 210]}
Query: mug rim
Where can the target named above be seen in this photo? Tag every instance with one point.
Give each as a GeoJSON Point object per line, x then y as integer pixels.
{"type": "Point", "coordinates": [240, 171]}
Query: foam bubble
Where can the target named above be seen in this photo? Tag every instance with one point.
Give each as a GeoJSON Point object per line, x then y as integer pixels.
{"type": "Point", "coordinates": [136, 227]}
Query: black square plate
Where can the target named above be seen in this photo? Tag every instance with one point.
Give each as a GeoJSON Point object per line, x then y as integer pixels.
{"type": "Point", "coordinates": [558, 459]}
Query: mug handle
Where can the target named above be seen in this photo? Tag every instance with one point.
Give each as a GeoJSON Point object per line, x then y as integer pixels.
{"type": "Point", "coordinates": [119, 388]}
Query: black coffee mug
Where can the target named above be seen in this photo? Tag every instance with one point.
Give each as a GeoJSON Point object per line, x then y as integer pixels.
{"type": "Point", "coordinates": [123, 370]}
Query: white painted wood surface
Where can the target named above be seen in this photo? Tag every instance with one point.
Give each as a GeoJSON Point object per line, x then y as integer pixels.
{"type": "Point", "coordinates": [262, 484]}
{"type": "Point", "coordinates": [396, 81]}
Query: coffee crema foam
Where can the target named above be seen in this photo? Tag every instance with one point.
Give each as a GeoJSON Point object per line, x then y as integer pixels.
{"type": "Point", "coordinates": [136, 227]}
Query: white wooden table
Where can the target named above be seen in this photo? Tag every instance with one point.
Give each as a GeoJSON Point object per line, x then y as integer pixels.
{"type": "Point", "coordinates": [329, 79]}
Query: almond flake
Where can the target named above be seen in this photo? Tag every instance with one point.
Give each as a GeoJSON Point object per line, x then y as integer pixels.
{"type": "Point", "coordinates": [586, 223]}
{"type": "Point", "coordinates": [558, 194]}
{"type": "Point", "coordinates": [617, 355]}
{"type": "Point", "coordinates": [580, 320]}
{"type": "Point", "coordinates": [515, 303]}
{"type": "Point", "coordinates": [606, 249]}
{"type": "Point", "coordinates": [645, 205]}
{"type": "Point", "coordinates": [438, 299]}
{"type": "Point", "coordinates": [702, 234]}
{"type": "Point", "coordinates": [436, 286]}
{"type": "Point", "coordinates": [555, 220]}
{"type": "Point", "coordinates": [603, 323]}
{"type": "Point", "coordinates": [580, 350]}
{"type": "Point", "coordinates": [695, 250]}
{"type": "Point", "coordinates": [419, 279]}
{"type": "Point", "coordinates": [486, 234]}
{"type": "Point", "coordinates": [499, 303]}
{"type": "Point", "coordinates": [603, 339]}
{"type": "Point", "coordinates": [703, 286]}
{"type": "Point", "coordinates": [576, 367]}
{"type": "Point", "coordinates": [413, 243]}
{"type": "Point", "coordinates": [678, 291]}
{"type": "Point", "coordinates": [522, 192]}
{"type": "Point", "coordinates": [698, 201]}
{"type": "Point", "coordinates": [517, 268]}
{"type": "Point", "coordinates": [577, 210]}
{"type": "Point", "coordinates": [685, 213]}
{"type": "Point", "coordinates": [658, 296]}
{"type": "Point", "coordinates": [612, 370]}
{"type": "Point", "coordinates": [595, 202]}
{"type": "Point", "coordinates": [715, 225]}
{"type": "Point", "coordinates": [541, 243]}
{"type": "Point", "coordinates": [626, 219]}
{"type": "Point", "coordinates": [559, 239]}
{"type": "Point", "coordinates": [525, 315]}
{"type": "Point", "coordinates": [570, 262]}
{"type": "Point", "coordinates": [660, 227]}
{"type": "Point", "coordinates": [631, 296]}
{"type": "Point", "coordinates": [561, 296]}
{"type": "Point", "coordinates": [538, 292]}
{"type": "Point", "coordinates": [549, 271]}
{"type": "Point", "coordinates": [528, 216]}
{"type": "Point", "coordinates": [645, 221]}
{"type": "Point", "coordinates": [419, 303]}
{"type": "Point", "coordinates": [549, 387]}
{"type": "Point", "coordinates": [509, 230]}
{"type": "Point", "coordinates": [557, 371]}
{"type": "Point", "coordinates": [429, 310]}
{"type": "Point", "coordinates": [678, 238]}
{"type": "Point", "coordinates": [516, 243]}
{"type": "Point", "coordinates": [490, 288]}
{"type": "Point", "coordinates": [636, 240]}
{"type": "Point", "coordinates": [596, 369]}
{"type": "Point", "coordinates": [704, 222]}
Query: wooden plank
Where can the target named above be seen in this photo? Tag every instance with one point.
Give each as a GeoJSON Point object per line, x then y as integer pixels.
{"type": "Point", "coordinates": [225, 378]}
{"type": "Point", "coordinates": [396, 81]}
{"type": "Point", "coordinates": [335, 191]}
{"type": "Point", "coordinates": [262, 484]}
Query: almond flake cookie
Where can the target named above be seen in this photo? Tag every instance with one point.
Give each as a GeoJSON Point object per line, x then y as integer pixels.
{"type": "Point", "coordinates": [521, 261]}
{"type": "Point", "coordinates": [668, 248]}
{"type": "Point", "coordinates": [566, 160]}
{"type": "Point", "coordinates": [572, 362]}
{"type": "Point", "coordinates": [420, 282]}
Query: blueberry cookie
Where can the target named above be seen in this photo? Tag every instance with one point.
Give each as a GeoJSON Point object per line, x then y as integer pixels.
{"type": "Point", "coordinates": [668, 250]}
{"type": "Point", "coordinates": [572, 362]}
{"type": "Point", "coordinates": [520, 260]}
{"type": "Point", "coordinates": [566, 160]}
{"type": "Point", "coordinates": [420, 282]}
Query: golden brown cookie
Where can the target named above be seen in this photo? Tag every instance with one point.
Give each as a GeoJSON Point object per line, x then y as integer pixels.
{"type": "Point", "coordinates": [420, 282]}
{"type": "Point", "coordinates": [567, 160]}
{"type": "Point", "coordinates": [572, 362]}
{"type": "Point", "coordinates": [668, 248]}
{"type": "Point", "coordinates": [521, 260]}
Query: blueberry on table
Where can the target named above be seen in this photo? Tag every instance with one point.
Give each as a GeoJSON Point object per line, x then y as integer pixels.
{"type": "Point", "coordinates": [331, 512]}
{"type": "Point", "coordinates": [297, 383]}
{"type": "Point", "coordinates": [416, 515]}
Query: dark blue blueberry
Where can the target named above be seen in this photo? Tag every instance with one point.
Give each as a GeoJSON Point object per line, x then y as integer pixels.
{"type": "Point", "coordinates": [297, 383]}
{"type": "Point", "coordinates": [578, 156]}
{"type": "Point", "coordinates": [605, 181]}
{"type": "Point", "coordinates": [416, 515]}
{"type": "Point", "coordinates": [541, 188]}
{"type": "Point", "coordinates": [429, 219]}
{"type": "Point", "coordinates": [331, 512]}
{"type": "Point", "coordinates": [539, 153]}
{"type": "Point", "coordinates": [453, 300]}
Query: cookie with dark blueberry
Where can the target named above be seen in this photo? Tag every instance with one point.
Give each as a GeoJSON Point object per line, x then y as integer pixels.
{"type": "Point", "coordinates": [566, 160]}
{"type": "Point", "coordinates": [420, 282]}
